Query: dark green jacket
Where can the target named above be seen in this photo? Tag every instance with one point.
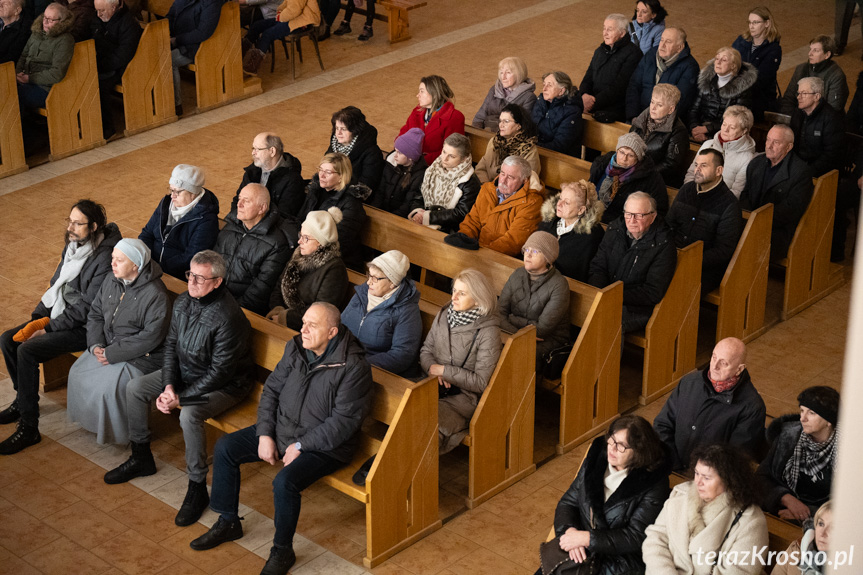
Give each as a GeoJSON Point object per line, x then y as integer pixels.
{"type": "Point", "coordinates": [47, 56]}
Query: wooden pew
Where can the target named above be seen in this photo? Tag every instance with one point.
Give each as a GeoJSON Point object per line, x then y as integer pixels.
{"type": "Point", "coordinates": [11, 143]}
{"type": "Point", "coordinates": [148, 84]}
{"type": "Point", "coordinates": [158, 8]}
{"type": "Point", "coordinates": [603, 137]}
{"type": "Point", "coordinates": [397, 17]}
{"type": "Point", "coordinates": [72, 106]}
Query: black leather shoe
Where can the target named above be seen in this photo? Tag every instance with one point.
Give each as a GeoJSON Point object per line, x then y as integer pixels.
{"type": "Point", "coordinates": [24, 437]}
{"type": "Point", "coordinates": [139, 464]}
{"type": "Point", "coordinates": [222, 532]}
{"type": "Point", "coordinates": [194, 504]}
{"type": "Point", "coordinates": [344, 28]}
{"type": "Point", "coordinates": [280, 561]}
{"type": "Point", "coordinates": [10, 414]}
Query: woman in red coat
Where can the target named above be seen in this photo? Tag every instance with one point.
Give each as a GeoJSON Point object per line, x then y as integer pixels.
{"type": "Point", "coordinates": [436, 116]}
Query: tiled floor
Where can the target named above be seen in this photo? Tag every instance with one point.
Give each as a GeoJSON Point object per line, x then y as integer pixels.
{"type": "Point", "coordinates": [56, 514]}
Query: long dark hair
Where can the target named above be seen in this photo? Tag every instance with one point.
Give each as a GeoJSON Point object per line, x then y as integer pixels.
{"type": "Point", "coordinates": [655, 7]}
{"type": "Point", "coordinates": [95, 214]}
{"type": "Point", "coordinates": [647, 451]}
{"type": "Point", "coordinates": [522, 118]}
{"type": "Point", "coordinates": [734, 469]}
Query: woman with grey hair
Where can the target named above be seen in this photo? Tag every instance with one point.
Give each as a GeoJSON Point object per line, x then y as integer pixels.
{"type": "Point", "coordinates": [557, 115]}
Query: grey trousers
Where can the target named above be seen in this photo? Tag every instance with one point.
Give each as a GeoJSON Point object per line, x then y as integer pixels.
{"type": "Point", "coordinates": [140, 394]}
{"type": "Point", "coordinates": [178, 59]}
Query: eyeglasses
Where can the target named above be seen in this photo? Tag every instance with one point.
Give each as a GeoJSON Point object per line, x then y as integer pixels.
{"type": "Point", "coordinates": [327, 173]}
{"type": "Point", "coordinates": [305, 239]}
{"type": "Point", "coordinates": [51, 19]}
{"type": "Point", "coordinates": [806, 94]}
{"type": "Point", "coordinates": [374, 279]}
{"type": "Point", "coordinates": [531, 251]}
{"type": "Point", "coordinates": [256, 149]}
{"type": "Point", "coordinates": [74, 223]}
{"type": "Point", "coordinates": [502, 122]}
{"type": "Point", "coordinates": [636, 216]}
{"type": "Point", "coordinates": [196, 279]}
{"type": "Point", "coordinates": [619, 447]}
{"type": "Point", "coordinates": [176, 192]}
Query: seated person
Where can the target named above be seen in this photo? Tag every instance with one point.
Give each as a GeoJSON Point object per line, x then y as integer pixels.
{"type": "Point", "coordinates": [116, 33]}
{"type": "Point", "coordinates": [759, 46]}
{"type": "Point", "coordinates": [14, 30]}
{"type": "Point", "coordinates": [798, 471]}
{"type": "Point", "coordinates": [669, 63]}
{"type": "Point", "coordinates": [819, 130]}
{"type": "Point", "coordinates": [573, 217]}
{"type": "Point", "coordinates": [603, 88]}
{"type": "Point", "coordinates": [402, 178]}
{"type": "Point", "coordinates": [368, 28]}
{"type": "Point", "coordinates": [513, 87]}
{"type": "Point", "coordinates": [648, 24]}
{"type": "Point", "coordinates": [736, 146]}
{"type": "Point", "coordinates": [255, 249]}
{"type": "Point", "coordinates": [253, 10]}
{"type": "Point", "coordinates": [624, 171]}
{"type": "Point", "coordinates": [664, 134]}
{"type": "Point", "coordinates": [725, 81]}
{"type": "Point", "coordinates": [557, 115]}
{"type": "Point", "coordinates": [315, 272]}
{"type": "Point", "coordinates": [291, 17]}
{"type": "Point", "coordinates": [190, 23]}
{"type": "Point", "coordinates": [814, 544]}
{"type": "Point", "coordinates": [185, 222]}
{"type": "Point", "coordinates": [537, 294]}
{"type": "Point", "coordinates": [780, 178]}
{"type": "Point", "coordinates": [639, 251]}
{"type": "Point", "coordinates": [718, 404]}
{"type": "Point", "coordinates": [435, 115]}
{"type": "Point", "coordinates": [820, 64]}
{"type": "Point", "coordinates": [461, 350]}
{"type": "Point", "coordinates": [618, 491]}
{"type": "Point", "coordinates": [706, 210]}
{"type": "Point", "coordinates": [354, 137]}
{"type": "Point", "coordinates": [126, 326]}
{"type": "Point", "coordinates": [279, 171]}
{"type": "Point", "coordinates": [384, 315]}
{"type": "Point", "coordinates": [516, 136]}
{"type": "Point", "coordinates": [506, 211]}
{"type": "Point", "coordinates": [449, 189]}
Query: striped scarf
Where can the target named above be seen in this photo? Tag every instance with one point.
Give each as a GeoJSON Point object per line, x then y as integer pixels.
{"type": "Point", "coordinates": [345, 149]}
{"type": "Point", "coordinates": [811, 458]}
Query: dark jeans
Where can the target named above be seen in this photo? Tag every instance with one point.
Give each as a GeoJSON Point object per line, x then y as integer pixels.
{"type": "Point", "coordinates": [23, 359]}
{"type": "Point", "coordinates": [242, 447]}
{"type": "Point", "coordinates": [370, 11]}
{"type": "Point", "coordinates": [263, 33]}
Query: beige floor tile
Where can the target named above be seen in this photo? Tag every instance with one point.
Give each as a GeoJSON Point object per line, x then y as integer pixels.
{"type": "Point", "coordinates": [23, 533]}
{"type": "Point", "coordinates": [39, 496]}
{"type": "Point", "coordinates": [208, 561]}
{"type": "Point", "coordinates": [84, 525]}
{"type": "Point", "coordinates": [62, 555]}
{"type": "Point", "coordinates": [148, 517]}
{"type": "Point", "coordinates": [134, 554]}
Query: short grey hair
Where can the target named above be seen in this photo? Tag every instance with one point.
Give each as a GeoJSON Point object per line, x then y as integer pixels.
{"type": "Point", "coordinates": [816, 84]}
{"type": "Point", "coordinates": [331, 312]}
{"type": "Point", "coordinates": [786, 131]}
{"type": "Point", "coordinates": [680, 32]}
{"type": "Point", "coordinates": [641, 196]}
{"type": "Point", "coordinates": [520, 163]}
{"type": "Point", "coordinates": [112, 2]}
{"type": "Point", "coordinates": [620, 20]}
{"type": "Point", "coordinates": [212, 259]}
{"type": "Point", "coordinates": [273, 141]}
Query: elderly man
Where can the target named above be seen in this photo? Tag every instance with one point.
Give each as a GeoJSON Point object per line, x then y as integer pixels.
{"type": "Point", "coordinates": [58, 325]}
{"type": "Point", "coordinates": [705, 209]}
{"type": "Point", "coordinates": [279, 171]}
{"type": "Point", "coordinates": [506, 211]}
{"type": "Point", "coordinates": [14, 30]}
{"type": "Point", "coordinates": [603, 88]}
{"type": "Point", "coordinates": [668, 63]}
{"type": "Point", "coordinates": [818, 128]}
{"type": "Point", "coordinates": [718, 404]}
{"type": "Point", "coordinates": [205, 371]}
{"type": "Point", "coordinates": [116, 33]}
{"type": "Point", "coordinates": [640, 252]}
{"type": "Point", "coordinates": [309, 418]}
{"type": "Point", "coordinates": [820, 64]}
{"type": "Point", "coordinates": [190, 22]}
{"type": "Point", "coordinates": [255, 248]}
{"type": "Point", "coordinates": [46, 57]}
{"type": "Point", "coordinates": [782, 179]}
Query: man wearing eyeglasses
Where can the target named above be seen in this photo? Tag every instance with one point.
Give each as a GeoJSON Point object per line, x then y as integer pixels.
{"type": "Point", "coordinates": [59, 323]}
{"type": "Point", "coordinates": [818, 128]}
{"type": "Point", "coordinates": [205, 371]}
{"type": "Point", "coordinates": [279, 171]}
{"type": "Point", "coordinates": [638, 251]}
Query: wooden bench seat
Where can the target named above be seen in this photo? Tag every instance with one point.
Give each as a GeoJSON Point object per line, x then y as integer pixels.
{"type": "Point", "coordinates": [397, 17]}
{"type": "Point", "coordinates": [603, 137]}
{"type": "Point", "coordinates": [12, 159]}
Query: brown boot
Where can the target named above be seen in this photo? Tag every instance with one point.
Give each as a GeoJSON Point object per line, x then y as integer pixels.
{"type": "Point", "coordinates": [252, 61]}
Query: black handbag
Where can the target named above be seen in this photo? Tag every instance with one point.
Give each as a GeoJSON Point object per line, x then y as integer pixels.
{"type": "Point", "coordinates": [556, 561]}
{"type": "Point", "coordinates": [554, 361]}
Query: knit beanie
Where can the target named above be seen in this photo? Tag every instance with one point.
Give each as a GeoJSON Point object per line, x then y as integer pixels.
{"type": "Point", "coordinates": [411, 144]}
{"type": "Point", "coordinates": [393, 264]}
{"type": "Point", "coordinates": [634, 142]}
{"type": "Point", "coordinates": [321, 225]}
{"type": "Point", "coordinates": [189, 178]}
{"type": "Point", "coordinates": [136, 250]}
{"type": "Point", "coordinates": [822, 400]}
{"type": "Point", "coordinates": [544, 243]}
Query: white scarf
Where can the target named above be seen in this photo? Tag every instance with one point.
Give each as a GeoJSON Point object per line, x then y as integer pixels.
{"type": "Point", "coordinates": [562, 228]}
{"type": "Point", "coordinates": [176, 214]}
{"type": "Point", "coordinates": [722, 80]}
{"type": "Point", "coordinates": [613, 479]}
{"type": "Point", "coordinates": [375, 301]}
{"type": "Point", "coordinates": [73, 261]}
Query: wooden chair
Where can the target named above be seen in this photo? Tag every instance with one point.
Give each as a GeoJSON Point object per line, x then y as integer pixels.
{"type": "Point", "coordinates": [296, 49]}
{"type": "Point", "coordinates": [396, 17]}
{"type": "Point", "coordinates": [11, 143]}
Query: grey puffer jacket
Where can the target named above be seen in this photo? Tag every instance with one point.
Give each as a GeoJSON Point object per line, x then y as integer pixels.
{"type": "Point", "coordinates": [131, 322]}
{"type": "Point", "coordinates": [322, 405]}
{"type": "Point", "coordinates": [543, 302]}
{"type": "Point", "coordinates": [488, 115]}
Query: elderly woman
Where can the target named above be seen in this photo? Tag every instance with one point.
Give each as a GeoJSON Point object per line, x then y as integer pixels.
{"type": "Point", "coordinates": [512, 87]}
{"type": "Point", "coordinates": [127, 323]}
{"type": "Point", "coordinates": [627, 169]}
{"type": "Point", "coordinates": [354, 137]}
{"type": "Point", "coordinates": [820, 64]}
{"type": "Point", "coordinates": [435, 115]}
{"type": "Point", "coordinates": [402, 178]}
{"type": "Point", "coordinates": [648, 23]}
{"type": "Point", "coordinates": [384, 314]}
{"type": "Point", "coordinates": [664, 133]}
{"type": "Point", "coordinates": [716, 513]}
{"type": "Point", "coordinates": [46, 56]}
{"type": "Point", "coordinates": [736, 146]}
{"type": "Point", "coordinates": [725, 81]}
{"type": "Point", "coordinates": [185, 222]}
{"type": "Point", "coordinates": [315, 273]}
{"type": "Point", "coordinates": [798, 470]}
{"type": "Point", "coordinates": [516, 136]}
{"type": "Point", "coordinates": [573, 217]}
{"type": "Point", "coordinates": [449, 189]}
{"type": "Point", "coordinates": [618, 491]}
{"type": "Point", "coordinates": [557, 115]}
{"type": "Point", "coordinates": [759, 46]}
{"type": "Point", "coordinates": [812, 549]}
{"type": "Point", "coordinates": [461, 349]}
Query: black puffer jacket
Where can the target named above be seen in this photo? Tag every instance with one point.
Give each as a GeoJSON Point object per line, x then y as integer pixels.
{"type": "Point", "coordinates": [399, 185]}
{"type": "Point", "coordinates": [254, 259]}
{"type": "Point", "coordinates": [645, 178]}
{"type": "Point", "coordinates": [819, 138]}
{"type": "Point", "coordinates": [559, 125]}
{"type": "Point", "coordinates": [81, 291]}
{"type": "Point", "coordinates": [367, 160]}
{"type": "Point", "coordinates": [667, 146]}
{"type": "Point", "coordinates": [608, 76]}
{"type": "Point", "coordinates": [208, 346]}
{"type": "Point", "coordinates": [616, 526]}
{"type": "Point", "coordinates": [711, 101]}
{"type": "Point", "coordinates": [116, 41]}
{"type": "Point", "coordinates": [286, 185]}
{"type": "Point", "coordinates": [321, 406]}
{"type": "Point", "coordinates": [131, 322]}
{"type": "Point", "coordinates": [578, 246]}
{"type": "Point", "coordinates": [450, 219]}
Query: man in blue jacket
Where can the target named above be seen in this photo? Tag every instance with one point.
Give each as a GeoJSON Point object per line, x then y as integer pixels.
{"type": "Point", "coordinates": [191, 22]}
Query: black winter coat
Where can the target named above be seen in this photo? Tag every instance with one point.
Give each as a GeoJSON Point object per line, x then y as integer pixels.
{"type": "Point", "coordinates": [608, 76]}
{"type": "Point", "coordinates": [854, 117]}
{"type": "Point", "coordinates": [399, 186]}
{"type": "Point", "coordinates": [559, 124]}
{"type": "Point", "coordinates": [13, 38]}
{"type": "Point", "coordinates": [208, 346]}
{"type": "Point", "coordinates": [367, 160]}
{"type": "Point", "coordinates": [683, 73]}
{"type": "Point", "coordinates": [835, 85]}
{"type": "Point", "coordinates": [667, 146]}
{"type": "Point", "coordinates": [116, 42]}
{"type": "Point", "coordinates": [450, 219]}
{"type": "Point", "coordinates": [193, 21]}
{"type": "Point", "coordinates": [323, 406]}
{"type": "Point", "coordinates": [616, 526]}
{"type": "Point", "coordinates": [576, 249]}
{"type": "Point", "coordinates": [766, 59]}
{"type": "Point", "coordinates": [711, 101]}
{"type": "Point", "coordinates": [254, 259]}
{"type": "Point", "coordinates": [645, 179]}
{"type": "Point", "coordinates": [819, 138]}
{"type": "Point", "coordinates": [286, 185]}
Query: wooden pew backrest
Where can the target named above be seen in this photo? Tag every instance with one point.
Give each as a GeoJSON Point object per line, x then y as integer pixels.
{"type": "Point", "coordinates": [11, 143]}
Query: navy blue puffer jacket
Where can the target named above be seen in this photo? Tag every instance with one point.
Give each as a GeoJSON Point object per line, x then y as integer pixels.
{"type": "Point", "coordinates": [559, 124]}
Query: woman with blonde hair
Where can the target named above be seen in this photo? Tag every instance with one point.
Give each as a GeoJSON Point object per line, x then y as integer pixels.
{"type": "Point", "coordinates": [810, 551]}
{"type": "Point", "coordinates": [664, 133]}
{"type": "Point", "coordinates": [724, 81]}
{"type": "Point", "coordinates": [574, 217]}
{"type": "Point", "coordinates": [512, 87]}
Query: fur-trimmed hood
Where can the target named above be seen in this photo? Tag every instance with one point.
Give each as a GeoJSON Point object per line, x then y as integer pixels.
{"type": "Point", "coordinates": [742, 81]}
{"type": "Point", "coordinates": [789, 424]}
{"type": "Point", "coordinates": [62, 27]}
{"type": "Point", "coordinates": [584, 225]}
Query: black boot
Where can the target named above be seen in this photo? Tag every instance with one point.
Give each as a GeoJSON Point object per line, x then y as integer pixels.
{"type": "Point", "coordinates": [139, 464]}
{"type": "Point", "coordinates": [10, 414]}
{"type": "Point", "coordinates": [24, 437]}
{"type": "Point", "coordinates": [280, 561]}
{"type": "Point", "coordinates": [194, 504]}
{"type": "Point", "coordinates": [222, 532]}
{"type": "Point", "coordinates": [344, 28]}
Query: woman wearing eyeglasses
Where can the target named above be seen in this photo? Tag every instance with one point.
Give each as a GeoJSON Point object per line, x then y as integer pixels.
{"type": "Point", "coordinates": [185, 222]}
{"type": "Point", "coordinates": [384, 314]}
{"type": "Point", "coordinates": [618, 491]}
{"type": "Point", "coordinates": [516, 136]}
